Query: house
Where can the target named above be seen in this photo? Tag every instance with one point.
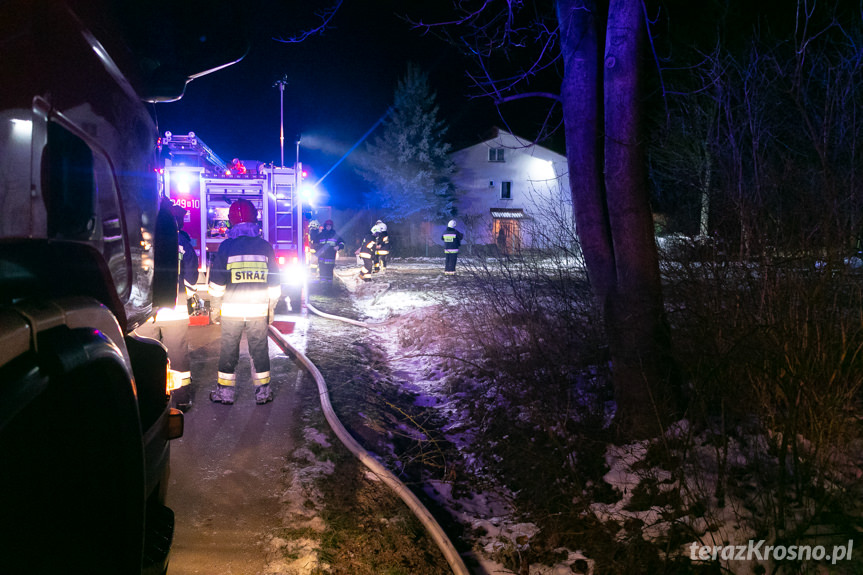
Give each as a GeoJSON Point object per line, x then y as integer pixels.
{"type": "Point", "coordinates": [509, 190]}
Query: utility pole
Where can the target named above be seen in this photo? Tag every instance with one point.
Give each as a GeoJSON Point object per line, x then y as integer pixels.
{"type": "Point", "coordinates": [281, 84]}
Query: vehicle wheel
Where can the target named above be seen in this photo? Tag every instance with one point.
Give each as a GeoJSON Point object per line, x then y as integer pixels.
{"type": "Point", "coordinates": [72, 481]}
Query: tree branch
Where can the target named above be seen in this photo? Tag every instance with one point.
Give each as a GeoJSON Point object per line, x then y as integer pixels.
{"type": "Point", "coordinates": [521, 96]}
{"type": "Point", "coordinates": [325, 15]}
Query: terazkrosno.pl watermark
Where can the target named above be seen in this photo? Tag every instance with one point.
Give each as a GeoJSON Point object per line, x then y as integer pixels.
{"type": "Point", "coordinates": [759, 551]}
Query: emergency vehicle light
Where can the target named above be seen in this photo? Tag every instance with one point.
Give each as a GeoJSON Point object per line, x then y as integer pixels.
{"type": "Point", "coordinates": [281, 260]}
{"type": "Point", "coordinates": [184, 182]}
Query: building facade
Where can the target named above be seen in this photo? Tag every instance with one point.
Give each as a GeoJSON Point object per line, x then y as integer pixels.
{"type": "Point", "coordinates": [510, 192]}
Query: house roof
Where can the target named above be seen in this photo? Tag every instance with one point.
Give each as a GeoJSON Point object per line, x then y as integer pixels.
{"type": "Point", "coordinates": [495, 136]}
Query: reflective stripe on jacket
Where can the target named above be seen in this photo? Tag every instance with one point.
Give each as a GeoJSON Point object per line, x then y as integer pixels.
{"type": "Point", "coordinates": [382, 244]}
{"type": "Point", "coordinates": [367, 249]}
{"type": "Point", "coordinates": [246, 274]}
{"type": "Point", "coordinates": [451, 240]}
{"type": "Point", "coordinates": [328, 243]}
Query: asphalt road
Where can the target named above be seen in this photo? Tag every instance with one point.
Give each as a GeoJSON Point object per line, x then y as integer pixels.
{"type": "Point", "coordinates": [228, 469]}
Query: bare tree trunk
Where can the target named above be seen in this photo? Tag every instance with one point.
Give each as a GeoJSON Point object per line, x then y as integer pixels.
{"type": "Point", "coordinates": [582, 24]}
{"type": "Point", "coordinates": [613, 214]}
{"type": "Point", "coordinates": [706, 175]}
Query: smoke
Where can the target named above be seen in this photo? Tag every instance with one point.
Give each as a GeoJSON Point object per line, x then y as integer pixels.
{"type": "Point", "coordinates": [324, 144]}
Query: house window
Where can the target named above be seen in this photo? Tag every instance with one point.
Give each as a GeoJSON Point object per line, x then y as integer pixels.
{"type": "Point", "coordinates": [495, 155]}
{"type": "Point", "coordinates": [506, 190]}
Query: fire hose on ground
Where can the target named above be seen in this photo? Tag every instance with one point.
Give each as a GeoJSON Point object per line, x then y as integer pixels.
{"type": "Point", "coordinates": [419, 510]}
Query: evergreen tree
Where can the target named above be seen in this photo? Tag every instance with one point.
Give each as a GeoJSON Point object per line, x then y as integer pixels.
{"type": "Point", "coordinates": [408, 164]}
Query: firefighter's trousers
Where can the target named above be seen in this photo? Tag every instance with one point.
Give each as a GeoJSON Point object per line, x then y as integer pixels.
{"type": "Point", "coordinates": [326, 267]}
{"type": "Point", "coordinates": [380, 262]}
{"type": "Point", "coordinates": [173, 332]}
{"type": "Point", "coordinates": [256, 330]}
{"type": "Point", "coordinates": [368, 264]}
{"type": "Point", "coordinates": [451, 258]}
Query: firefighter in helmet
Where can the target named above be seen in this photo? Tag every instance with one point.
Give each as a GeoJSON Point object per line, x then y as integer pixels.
{"type": "Point", "coordinates": [452, 239]}
{"type": "Point", "coordinates": [245, 281]}
{"type": "Point", "coordinates": [382, 246]}
{"type": "Point", "coordinates": [329, 244]}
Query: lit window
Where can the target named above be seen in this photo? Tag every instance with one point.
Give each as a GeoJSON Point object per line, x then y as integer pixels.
{"type": "Point", "coordinates": [506, 190]}
{"type": "Point", "coordinates": [495, 155]}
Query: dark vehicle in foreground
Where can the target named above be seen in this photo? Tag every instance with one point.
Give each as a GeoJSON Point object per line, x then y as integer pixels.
{"type": "Point", "coordinates": [87, 256]}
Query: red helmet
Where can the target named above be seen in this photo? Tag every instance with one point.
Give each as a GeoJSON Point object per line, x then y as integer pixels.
{"type": "Point", "coordinates": [242, 211]}
{"type": "Point", "coordinates": [328, 223]}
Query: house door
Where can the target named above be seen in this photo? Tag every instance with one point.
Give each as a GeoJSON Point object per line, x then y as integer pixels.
{"type": "Point", "coordinates": [507, 233]}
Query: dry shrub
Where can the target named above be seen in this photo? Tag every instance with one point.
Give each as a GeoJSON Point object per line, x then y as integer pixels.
{"type": "Point", "coordinates": [773, 350]}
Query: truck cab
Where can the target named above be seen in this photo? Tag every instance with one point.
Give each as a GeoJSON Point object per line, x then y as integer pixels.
{"type": "Point", "coordinates": [88, 252]}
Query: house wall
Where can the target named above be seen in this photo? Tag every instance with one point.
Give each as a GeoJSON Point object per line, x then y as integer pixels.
{"type": "Point", "coordinates": [540, 187]}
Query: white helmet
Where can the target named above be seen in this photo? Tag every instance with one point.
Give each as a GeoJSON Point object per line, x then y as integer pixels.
{"type": "Point", "coordinates": [382, 227]}
{"type": "Point", "coordinates": [451, 224]}
{"type": "Point", "coordinates": [376, 229]}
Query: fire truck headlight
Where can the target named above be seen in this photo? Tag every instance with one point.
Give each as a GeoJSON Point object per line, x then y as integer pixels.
{"type": "Point", "coordinates": [281, 261]}
{"type": "Point", "coordinates": [309, 195]}
{"type": "Point", "coordinates": [294, 275]}
{"type": "Point", "coordinates": [184, 183]}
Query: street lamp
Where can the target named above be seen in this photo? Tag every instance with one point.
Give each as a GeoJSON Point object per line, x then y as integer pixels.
{"type": "Point", "coordinates": [281, 84]}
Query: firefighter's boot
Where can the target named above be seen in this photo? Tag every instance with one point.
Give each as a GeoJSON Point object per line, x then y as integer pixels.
{"type": "Point", "coordinates": [263, 394]}
{"type": "Point", "coordinates": [181, 398]}
{"type": "Point", "coordinates": [223, 394]}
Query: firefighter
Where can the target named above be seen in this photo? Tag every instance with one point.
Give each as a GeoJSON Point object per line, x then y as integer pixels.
{"type": "Point", "coordinates": [382, 246]}
{"type": "Point", "coordinates": [366, 252]}
{"type": "Point", "coordinates": [329, 244]}
{"type": "Point", "coordinates": [245, 282]}
{"type": "Point", "coordinates": [314, 230]}
{"type": "Point", "coordinates": [171, 325]}
{"type": "Point", "coordinates": [451, 241]}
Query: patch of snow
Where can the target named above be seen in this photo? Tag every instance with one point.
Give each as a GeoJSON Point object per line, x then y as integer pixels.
{"type": "Point", "coordinates": [314, 436]}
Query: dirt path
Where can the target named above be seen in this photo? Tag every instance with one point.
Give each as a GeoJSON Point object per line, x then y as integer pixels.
{"type": "Point", "coordinates": [227, 471]}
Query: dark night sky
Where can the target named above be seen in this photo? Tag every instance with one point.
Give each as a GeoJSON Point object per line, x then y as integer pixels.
{"type": "Point", "coordinates": [339, 85]}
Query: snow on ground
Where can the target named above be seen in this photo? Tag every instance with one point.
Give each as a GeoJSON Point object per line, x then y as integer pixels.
{"type": "Point", "coordinates": [412, 294]}
{"type": "Point", "coordinates": [408, 300]}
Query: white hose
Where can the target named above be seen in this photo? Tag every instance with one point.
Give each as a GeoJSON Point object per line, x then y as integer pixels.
{"type": "Point", "coordinates": [419, 510]}
{"type": "Point", "coordinates": [316, 311]}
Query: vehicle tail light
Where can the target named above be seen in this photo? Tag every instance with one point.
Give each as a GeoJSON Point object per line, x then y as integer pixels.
{"type": "Point", "coordinates": [174, 429]}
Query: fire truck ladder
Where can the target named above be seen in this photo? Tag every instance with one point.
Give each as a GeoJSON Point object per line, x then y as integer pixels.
{"type": "Point", "coordinates": [190, 145]}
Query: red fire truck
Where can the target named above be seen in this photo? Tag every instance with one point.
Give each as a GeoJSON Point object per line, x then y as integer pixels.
{"type": "Point", "coordinates": [195, 178]}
